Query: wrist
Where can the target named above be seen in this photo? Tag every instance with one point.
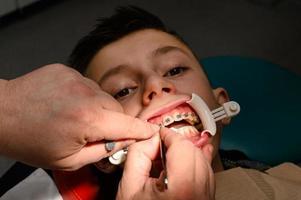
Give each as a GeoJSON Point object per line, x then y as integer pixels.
{"type": "Point", "coordinates": [3, 104]}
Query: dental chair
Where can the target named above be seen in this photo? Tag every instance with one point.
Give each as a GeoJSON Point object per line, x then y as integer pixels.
{"type": "Point", "coordinates": [266, 130]}
{"type": "Point", "coordinates": [268, 126]}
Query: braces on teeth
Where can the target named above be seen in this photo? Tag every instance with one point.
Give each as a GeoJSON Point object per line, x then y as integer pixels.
{"type": "Point", "coordinates": [207, 117]}
{"type": "Point", "coordinates": [191, 118]}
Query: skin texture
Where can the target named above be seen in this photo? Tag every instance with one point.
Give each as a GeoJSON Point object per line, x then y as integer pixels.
{"type": "Point", "coordinates": [55, 118]}
{"type": "Point", "coordinates": [193, 179]}
{"type": "Point", "coordinates": [147, 77]}
{"type": "Point", "coordinates": [144, 70]}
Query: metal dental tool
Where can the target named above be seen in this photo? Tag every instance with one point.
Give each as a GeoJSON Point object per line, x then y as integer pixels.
{"type": "Point", "coordinates": [163, 160]}
{"type": "Point", "coordinates": [207, 117]}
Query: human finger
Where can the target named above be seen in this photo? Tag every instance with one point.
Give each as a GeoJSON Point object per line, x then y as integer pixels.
{"type": "Point", "coordinates": [181, 161]}
{"type": "Point", "coordinates": [138, 165]}
{"type": "Point", "coordinates": [91, 153]}
{"type": "Point", "coordinates": [112, 125]}
{"type": "Point", "coordinates": [92, 84]}
{"type": "Point", "coordinates": [207, 151]}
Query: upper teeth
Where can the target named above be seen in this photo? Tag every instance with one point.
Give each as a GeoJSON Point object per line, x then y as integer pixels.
{"type": "Point", "coordinates": [189, 117]}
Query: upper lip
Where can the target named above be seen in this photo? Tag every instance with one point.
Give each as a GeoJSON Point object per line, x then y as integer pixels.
{"type": "Point", "coordinates": [165, 107]}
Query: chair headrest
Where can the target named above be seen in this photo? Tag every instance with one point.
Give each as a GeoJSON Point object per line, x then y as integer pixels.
{"type": "Point", "coordinates": [268, 127]}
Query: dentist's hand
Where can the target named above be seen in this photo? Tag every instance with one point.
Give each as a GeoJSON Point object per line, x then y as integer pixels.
{"type": "Point", "coordinates": [55, 118]}
{"type": "Point", "coordinates": [189, 172]}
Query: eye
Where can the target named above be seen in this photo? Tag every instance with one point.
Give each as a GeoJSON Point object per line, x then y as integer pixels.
{"type": "Point", "coordinates": [175, 71]}
{"type": "Point", "coordinates": [124, 92]}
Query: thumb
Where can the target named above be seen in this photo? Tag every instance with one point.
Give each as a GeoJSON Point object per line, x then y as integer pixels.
{"type": "Point", "coordinates": [138, 165]}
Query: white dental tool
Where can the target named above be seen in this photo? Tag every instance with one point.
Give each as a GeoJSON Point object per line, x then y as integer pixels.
{"type": "Point", "coordinates": [118, 157]}
{"type": "Point", "coordinates": [207, 117]}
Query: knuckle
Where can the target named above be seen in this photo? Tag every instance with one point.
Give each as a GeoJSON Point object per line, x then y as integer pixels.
{"type": "Point", "coordinates": [81, 114]}
{"type": "Point", "coordinates": [58, 67]}
{"type": "Point", "coordinates": [64, 71]}
{"type": "Point", "coordinates": [92, 83]}
{"type": "Point", "coordinates": [76, 87]}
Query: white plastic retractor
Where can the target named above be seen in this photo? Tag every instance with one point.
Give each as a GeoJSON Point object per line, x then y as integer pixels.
{"type": "Point", "coordinates": [229, 109]}
{"type": "Point", "coordinates": [207, 117]}
{"type": "Point", "coordinates": [118, 157]}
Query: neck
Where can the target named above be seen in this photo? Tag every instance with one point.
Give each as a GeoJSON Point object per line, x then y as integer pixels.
{"type": "Point", "coordinates": [217, 164]}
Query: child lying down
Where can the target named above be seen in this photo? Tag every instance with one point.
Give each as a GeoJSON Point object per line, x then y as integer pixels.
{"type": "Point", "coordinates": [153, 73]}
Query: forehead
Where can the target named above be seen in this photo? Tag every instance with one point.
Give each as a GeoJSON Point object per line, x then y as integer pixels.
{"type": "Point", "coordinates": [137, 48]}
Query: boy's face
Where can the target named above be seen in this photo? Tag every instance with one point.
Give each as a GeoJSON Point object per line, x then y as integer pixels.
{"type": "Point", "coordinates": [152, 74]}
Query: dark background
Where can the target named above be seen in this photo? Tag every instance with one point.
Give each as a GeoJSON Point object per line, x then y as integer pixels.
{"type": "Point", "coordinates": [47, 31]}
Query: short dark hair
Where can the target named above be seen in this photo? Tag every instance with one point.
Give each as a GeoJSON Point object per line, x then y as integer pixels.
{"type": "Point", "coordinates": [126, 20]}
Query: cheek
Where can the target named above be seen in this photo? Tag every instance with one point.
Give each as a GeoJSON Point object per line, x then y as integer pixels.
{"type": "Point", "coordinates": [201, 88]}
{"type": "Point", "coordinates": [131, 107]}
{"type": "Point", "coordinates": [216, 139]}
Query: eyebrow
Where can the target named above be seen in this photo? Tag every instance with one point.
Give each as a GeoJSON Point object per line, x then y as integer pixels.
{"type": "Point", "coordinates": [167, 49]}
{"type": "Point", "coordinates": [113, 71]}
{"type": "Point", "coordinates": [159, 51]}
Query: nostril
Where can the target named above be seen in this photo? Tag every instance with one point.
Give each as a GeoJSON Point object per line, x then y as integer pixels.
{"type": "Point", "coordinates": [151, 95]}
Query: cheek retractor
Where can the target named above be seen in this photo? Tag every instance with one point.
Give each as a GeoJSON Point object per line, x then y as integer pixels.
{"type": "Point", "coordinates": [201, 108]}
{"type": "Point", "coordinates": [208, 118]}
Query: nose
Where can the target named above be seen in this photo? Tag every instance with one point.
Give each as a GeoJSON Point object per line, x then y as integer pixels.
{"type": "Point", "coordinates": [156, 86]}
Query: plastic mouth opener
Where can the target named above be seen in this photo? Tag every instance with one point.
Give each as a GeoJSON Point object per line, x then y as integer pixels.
{"type": "Point", "coordinates": [208, 118]}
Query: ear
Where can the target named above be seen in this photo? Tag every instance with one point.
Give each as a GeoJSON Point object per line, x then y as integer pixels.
{"type": "Point", "coordinates": [221, 97]}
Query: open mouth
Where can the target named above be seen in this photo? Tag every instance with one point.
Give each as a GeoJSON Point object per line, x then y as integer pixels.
{"type": "Point", "coordinates": [190, 117]}
{"type": "Point", "coordinates": [185, 121]}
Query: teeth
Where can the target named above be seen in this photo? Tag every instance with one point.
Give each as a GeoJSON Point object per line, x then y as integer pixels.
{"type": "Point", "coordinates": [167, 120]}
{"type": "Point", "coordinates": [177, 117]}
{"type": "Point", "coordinates": [174, 129]}
{"type": "Point", "coordinates": [185, 130]}
{"type": "Point", "coordinates": [185, 115]}
{"type": "Point", "coordinates": [191, 118]}
{"type": "Point", "coordinates": [181, 131]}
